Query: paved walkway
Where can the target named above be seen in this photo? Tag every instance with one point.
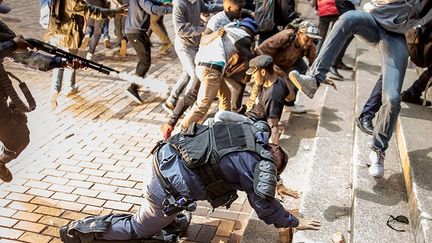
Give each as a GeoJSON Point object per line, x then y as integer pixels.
{"type": "Point", "coordinates": [91, 155]}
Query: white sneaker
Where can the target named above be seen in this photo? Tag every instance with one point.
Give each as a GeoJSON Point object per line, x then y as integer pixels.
{"type": "Point", "coordinates": [89, 56]}
{"type": "Point", "coordinates": [296, 109]}
{"type": "Point", "coordinates": [72, 91]}
{"type": "Point", "coordinates": [53, 100]}
{"type": "Point", "coordinates": [376, 168]}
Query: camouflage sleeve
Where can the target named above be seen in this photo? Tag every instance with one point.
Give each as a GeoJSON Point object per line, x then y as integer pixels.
{"type": "Point", "coordinates": [80, 7]}
{"type": "Point", "coordinates": [36, 60]}
{"type": "Point", "coordinates": [7, 48]}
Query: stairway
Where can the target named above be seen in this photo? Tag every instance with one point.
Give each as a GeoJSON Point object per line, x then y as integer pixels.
{"type": "Point", "coordinates": [328, 156]}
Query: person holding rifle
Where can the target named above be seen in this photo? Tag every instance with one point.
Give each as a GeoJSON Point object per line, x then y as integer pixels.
{"type": "Point", "coordinates": [14, 132]}
{"type": "Point", "coordinates": [65, 30]}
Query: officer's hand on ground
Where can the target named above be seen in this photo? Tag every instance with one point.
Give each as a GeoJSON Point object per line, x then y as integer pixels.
{"type": "Point", "coordinates": [166, 131]}
{"type": "Point", "coordinates": [221, 32]}
{"type": "Point", "coordinates": [284, 191]}
{"type": "Point", "coordinates": [123, 10]}
{"type": "Point", "coordinates": [308, 224]}
{"type": "Point", "coordinates": [21, 43]}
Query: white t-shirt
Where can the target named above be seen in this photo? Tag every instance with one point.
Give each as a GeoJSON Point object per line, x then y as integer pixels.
{"type": "Point", "coordinates": [218, 21]}
{"type": "Point", "coordinates": [220, 50]}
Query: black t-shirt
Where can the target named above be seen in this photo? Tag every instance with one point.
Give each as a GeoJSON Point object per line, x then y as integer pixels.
{"type": "Point", "coordinates": [270, 102]}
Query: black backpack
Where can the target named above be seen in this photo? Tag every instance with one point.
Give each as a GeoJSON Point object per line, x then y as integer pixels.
{"type": "Point", "coordinates": [418, 33]}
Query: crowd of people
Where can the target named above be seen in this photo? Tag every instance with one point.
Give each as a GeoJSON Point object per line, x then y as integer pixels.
{"type": "Point", "coordinates": [222, 47]}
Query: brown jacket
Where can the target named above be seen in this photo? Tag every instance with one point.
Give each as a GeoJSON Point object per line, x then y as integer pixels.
{"type": "Point", "coordinates": [66, 31]}
{"type": "Point", "coordinates": [284, 49]}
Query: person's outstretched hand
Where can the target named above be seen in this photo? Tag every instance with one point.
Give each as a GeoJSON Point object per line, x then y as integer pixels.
{"type": "Point", "coordinates": [166, 131]}
{"type": "Point", "coordinates": [284, 191]}
{"type": "Point", "coordinates": [308, 224]}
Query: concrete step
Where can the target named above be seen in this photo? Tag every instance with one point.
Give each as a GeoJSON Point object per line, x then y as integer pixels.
{"type": "Point", "coordinates": [298, 139]}
{"type": "Point", "coordinates": [327, 196]}
{"type": "Point", "coordinates": [414, 143]}
{"type": "Point", "coordinates": [374, 199]}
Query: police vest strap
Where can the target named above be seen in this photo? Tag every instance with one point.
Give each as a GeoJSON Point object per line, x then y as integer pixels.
{"type": "Point", "coordinates": [19, 104]}
{"type": "Point", "coordinates": [166, 185]}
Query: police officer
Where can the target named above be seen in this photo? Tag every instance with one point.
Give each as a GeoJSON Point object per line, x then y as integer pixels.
{"type": "Point", "coordinates": [205, 162]}
{"type": "Point", "coordinates": [14, 133]}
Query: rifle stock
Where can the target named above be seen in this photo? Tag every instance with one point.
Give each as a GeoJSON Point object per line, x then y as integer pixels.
{"type": "Point", "coordinates": [40, 45]}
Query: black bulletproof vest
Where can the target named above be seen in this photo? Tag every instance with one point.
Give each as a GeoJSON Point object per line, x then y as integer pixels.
{"type": "Point", "coordinates": [202, 147]}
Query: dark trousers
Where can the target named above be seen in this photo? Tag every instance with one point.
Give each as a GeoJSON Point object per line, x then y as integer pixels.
{"type": "Point", "coordinates": [185, 102]}
{"type": "Point", "coordinates": [420, 84]}
{"type": "Point", "coordinates": [237, 90]}
{"type": "Point", "coordinates": [374, 102]}
{"type": "Point", "coordinates": [141, 43]}
{"type": "Point", "coordinates": [94, 29]}
{"type": "Point", "coordinates": [324, 24]}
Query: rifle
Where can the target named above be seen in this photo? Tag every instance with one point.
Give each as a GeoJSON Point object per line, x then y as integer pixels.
{"type": "Point", "coordinates": [40, 45]}
{"type": "Point", "coordinates": [151, 84]}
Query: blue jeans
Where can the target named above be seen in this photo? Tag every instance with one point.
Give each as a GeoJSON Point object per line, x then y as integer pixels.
{"type": "Point", "coordinates": [105, 29]}
{"type": "Point", "coordinates": [394, 59]}
{"type": "Point", "coordinates": [44, 2]}
{"type": "Point", "coordinates": [374, 102]}
{"type": "Point", "coordinates": [44, 13]}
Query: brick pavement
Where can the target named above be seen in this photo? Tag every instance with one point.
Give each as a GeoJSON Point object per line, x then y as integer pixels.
{"type": "Point", "coordinates": [90, 156]}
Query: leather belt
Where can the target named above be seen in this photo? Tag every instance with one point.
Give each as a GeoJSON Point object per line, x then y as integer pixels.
{"type": "Point", "coordinates": [211, 66]}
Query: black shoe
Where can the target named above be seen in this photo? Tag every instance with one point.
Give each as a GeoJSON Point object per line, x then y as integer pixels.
{"type": "Point", "coordinates": [336, 74]}
{"type": "Point", "coordinates": [409, 98]}
{"type": "Point", "coordinates": [132, 92]}
{"type": "Point", "coordinates": [365, 124]}
{"type": "Point", "coordinates": [5, 174]}
{"type": "Point", "coordinates": [343, 66]}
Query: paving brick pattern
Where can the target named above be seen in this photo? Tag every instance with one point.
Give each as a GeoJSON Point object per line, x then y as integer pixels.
{"type": "Point", "coordinates": [91, 155]}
